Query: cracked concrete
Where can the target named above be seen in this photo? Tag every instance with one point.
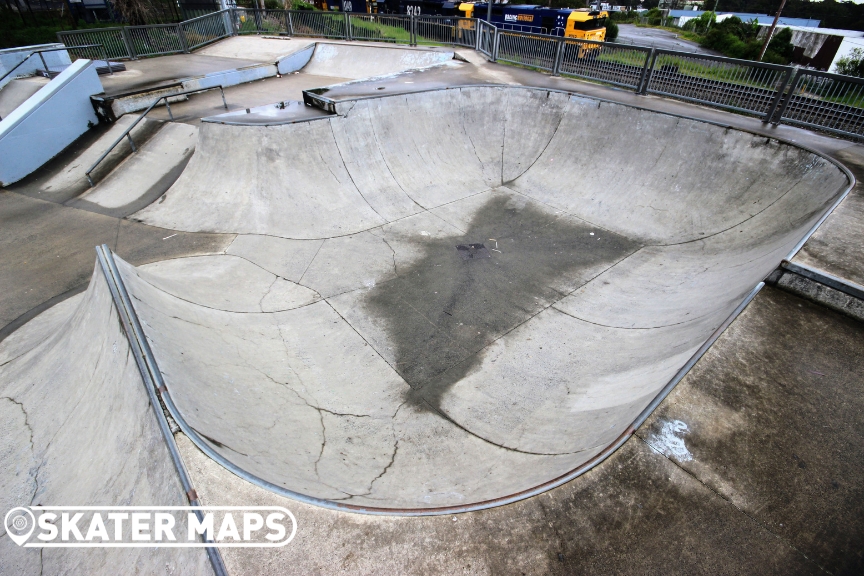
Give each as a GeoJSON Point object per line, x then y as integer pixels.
{"type": "Point", "coordinates": [342, 311]}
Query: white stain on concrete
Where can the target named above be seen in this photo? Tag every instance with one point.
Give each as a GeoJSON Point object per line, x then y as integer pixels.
{"type": "Point", "coordinates": [670, 441]}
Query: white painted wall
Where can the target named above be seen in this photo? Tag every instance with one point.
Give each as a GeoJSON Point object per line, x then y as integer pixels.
{"type": "Point", "coordinates": [48, 121]}
{"type": "Point", "coordinates": [12, 56]}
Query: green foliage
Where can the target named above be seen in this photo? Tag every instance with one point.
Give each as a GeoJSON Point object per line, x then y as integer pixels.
{"type": "Point", "coordinates": [632, 16]}
{"type": "Point", "coordinates": [851, 64]}
{"type": "Point", "coordinates": [611, 30]}
{"type": "Point", "coordinates": [272, 5]}
{"type": "Point", "coordinates": [737, 39]}
{"type": "Point", "coordinates": [301, 5]}
{"type": "Point", "coordinates": [654, 16]}
{"type": "Point", "coordinates": [702, 24]}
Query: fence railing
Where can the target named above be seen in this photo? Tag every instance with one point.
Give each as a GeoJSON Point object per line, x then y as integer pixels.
{"type": "Point", "coordinates": [775, 93]}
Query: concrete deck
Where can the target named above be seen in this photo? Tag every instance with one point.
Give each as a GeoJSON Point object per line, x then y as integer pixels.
{"type": "Point", "coordinates": [648, 506]}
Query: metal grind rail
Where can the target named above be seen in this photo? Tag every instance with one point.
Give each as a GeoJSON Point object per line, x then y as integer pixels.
{"type": "Point", "coordinates": [127, 133]}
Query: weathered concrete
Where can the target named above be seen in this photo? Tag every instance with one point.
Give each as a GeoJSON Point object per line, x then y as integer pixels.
{"type": "Point", "coordinates": [342, 60]}
{"type": "Point", "coordinates": [784, 361]}
{"type": "Point", "coordinates": [17, 92]}
{"type": "Point", "coordinates": [145, 175]}
{"type": "Point", "coordinates": [437, 364]}
{"type": "Point", "coordinates": [78, 430]}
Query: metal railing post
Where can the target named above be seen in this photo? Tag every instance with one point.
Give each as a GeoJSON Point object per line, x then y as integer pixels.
{"type": "Point", "coordinates": [495, 46]}
{"type": "Point", "coordinates": [412, 32]}
{"type": "Point", "coordinates": [559, 54]}
{"type": "Point", "coordinates": [347, 26]}
{"type": "Point", "coordinates": [645, 77]}
{"type": "Point", "coordinates": [479, 32]}
{"type": "Point", "coordinates": [778, 118]}
{"type": "Point", "coordinates": [289, 22]}
{"type": "Point", "coordinates": [107, 61]}
{"type": "Point", "coordinates": [129, 49]}
{"type": "Point", "coordinates": [44, 65]}
{"type": "Point", "coordinates": [181, 35]}
{"type": "Point", "coordinates": [776, 101]}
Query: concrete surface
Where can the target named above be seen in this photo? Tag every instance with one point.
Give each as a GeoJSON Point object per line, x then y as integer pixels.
{"type": "Point", "coordinates": [60, 447]}
{"type": "Point", "coordinates": [657, 38]}
{"type": "Point", "coordinates": [638, 511]}
{"type": "Point", "coordinates": [145, 175]}
{"type": "Point", "coordinates": [453, 410]}
{"type": "Point", "coordinates": [16, 92]}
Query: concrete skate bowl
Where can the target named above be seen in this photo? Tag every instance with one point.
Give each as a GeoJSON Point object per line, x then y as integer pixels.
{"type": "Point", "coordinates": [461, 297]}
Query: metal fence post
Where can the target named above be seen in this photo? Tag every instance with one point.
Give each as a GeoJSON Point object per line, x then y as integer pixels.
{"type": "Point", "coordinates": [645, 77]}
{"type": "Point", "coordinates": [228, 18]}
{"type": "Point", "coordinates": [347, 26]}
{"type": "Point", "coordinates": [559, 54]}
{"type": "Point", "coordinates": [129, 49]}
{"type": "Point", "coordinates": [479, 32]}
{"type": "Point", "coordinates": [289, 22]}
{"type": "Point", "coordinates": [495, 46]}
{"type": "Point", "coordinates": [181, 35]}
{"type": "Point", "coordinates": [773, 108]}
{"type": "Point", "coordinates": [412, 32]}
{"type": "Point", "coordinates": [778, 118]}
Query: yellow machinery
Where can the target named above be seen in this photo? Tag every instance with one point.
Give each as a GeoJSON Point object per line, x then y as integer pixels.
{"type": "Point", "coordinates": [583, 24]}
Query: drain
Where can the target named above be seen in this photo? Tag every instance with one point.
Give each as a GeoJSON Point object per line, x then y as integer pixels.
{"type": "Point", "coordinates": [471, 251]}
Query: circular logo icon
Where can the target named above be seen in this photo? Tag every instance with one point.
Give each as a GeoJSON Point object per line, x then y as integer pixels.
{"type": "Point", "coordinates": [20, 523]}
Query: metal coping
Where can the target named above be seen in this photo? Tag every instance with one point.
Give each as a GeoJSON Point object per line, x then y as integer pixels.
{"type": "Point", "coordinates": [821, 277]}
{"type": "Point", "coordinates": [134, 336]}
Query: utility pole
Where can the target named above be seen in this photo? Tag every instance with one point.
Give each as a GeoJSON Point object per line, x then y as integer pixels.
{"type": "Point", "coordinates": [771, 31]}
{"type": "Point", "coordinates": [489, 11]}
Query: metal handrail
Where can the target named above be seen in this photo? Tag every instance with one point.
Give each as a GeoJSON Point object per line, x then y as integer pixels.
{"type": "Point", "coordinates": [126, 133]}
{"type": "Point", "coordinates": [57, 50]}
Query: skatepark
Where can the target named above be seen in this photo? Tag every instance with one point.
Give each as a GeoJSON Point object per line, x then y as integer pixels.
{"type": "Point", "coordinates": [410, 290]}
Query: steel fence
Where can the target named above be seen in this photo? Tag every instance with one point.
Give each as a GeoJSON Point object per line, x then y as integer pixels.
{"type": "Point", "coordinates": [255, 21]}
{"type": "Point", "coordinates": [813, 99]}
{"type": "Point", "coordinates": [532, 50]}
{"type": "Point", "coordinates": [319, 24]}
{"type": "Point", "coordinates": [605, 62]}
{"type": "Point", "coordinates": [380, 28]}
{"type": "Point", "coordinates": [825, 101]}
{"type": "Point", "coordinates": [155, 40]}
{"type": "Point", "coordinates": [741, 85]}
{"type": "Point", "coordinates": [112, 39]}
{"type": "Point", "coordinates": [205, 29]}
{"type": "Point", "coordinates": [485, 38]}
{"type": "Point", "coordinates": [445, 30]}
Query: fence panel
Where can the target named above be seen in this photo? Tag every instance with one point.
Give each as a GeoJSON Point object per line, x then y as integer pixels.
{"type": "Point", "coordinates": [110, 38]}
{"type": "Point", "coordinates": [445, 30]}
{"type": "Point", "coordinates": [254, 21]}
{"type": "Point", "coordinates": [739, 85]}
{"type": "Point", "coordinates": [532, 50]}
{"type": "Point", "coordinates": [318, 24]}
{"type": "Point", "coordinates": [206, 29]}
{"type": "Point", "coordinates": [155, 40]}
{"type": "Point", "coordinates": [486, 38]}
{"type": "Point", "coordinates": [603, 61]}
{"type": "Point", "coordinates": [380, 28]}
{"type": "Point", "coordinates": [826, 101]}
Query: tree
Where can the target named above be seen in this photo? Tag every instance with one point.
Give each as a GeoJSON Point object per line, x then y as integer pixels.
{"type": "Point", "coordinates": [852, 64]}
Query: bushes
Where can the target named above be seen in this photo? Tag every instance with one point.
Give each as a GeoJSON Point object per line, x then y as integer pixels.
{"type": "Point", "coordinates": [737, 39]}
{"type": "Point", "coordinates": [611, 30]}
{"type": "Point", "coordinates": [851, 64]}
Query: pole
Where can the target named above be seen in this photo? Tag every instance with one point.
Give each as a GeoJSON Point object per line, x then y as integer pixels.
{"type": "Point", "coordinates": [771, 31]}
{"type": "Point", "coordinates": [489, 11]}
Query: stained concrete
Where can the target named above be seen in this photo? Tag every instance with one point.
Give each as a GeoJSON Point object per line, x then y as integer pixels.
{"type": "Point", "coordinates": [785, 360]}
{"type": "Point", "coordinates": [468, 379]}
{"type": "Point", "coordinates": [17, 91]}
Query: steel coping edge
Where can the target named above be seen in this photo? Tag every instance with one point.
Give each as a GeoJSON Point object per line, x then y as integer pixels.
{"type": "Point", "coordinates": [158, 382]}
{"type": "Point", "coordinates": [129, 321]}
{"type": "Point", "coordinates": [155, 382]}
